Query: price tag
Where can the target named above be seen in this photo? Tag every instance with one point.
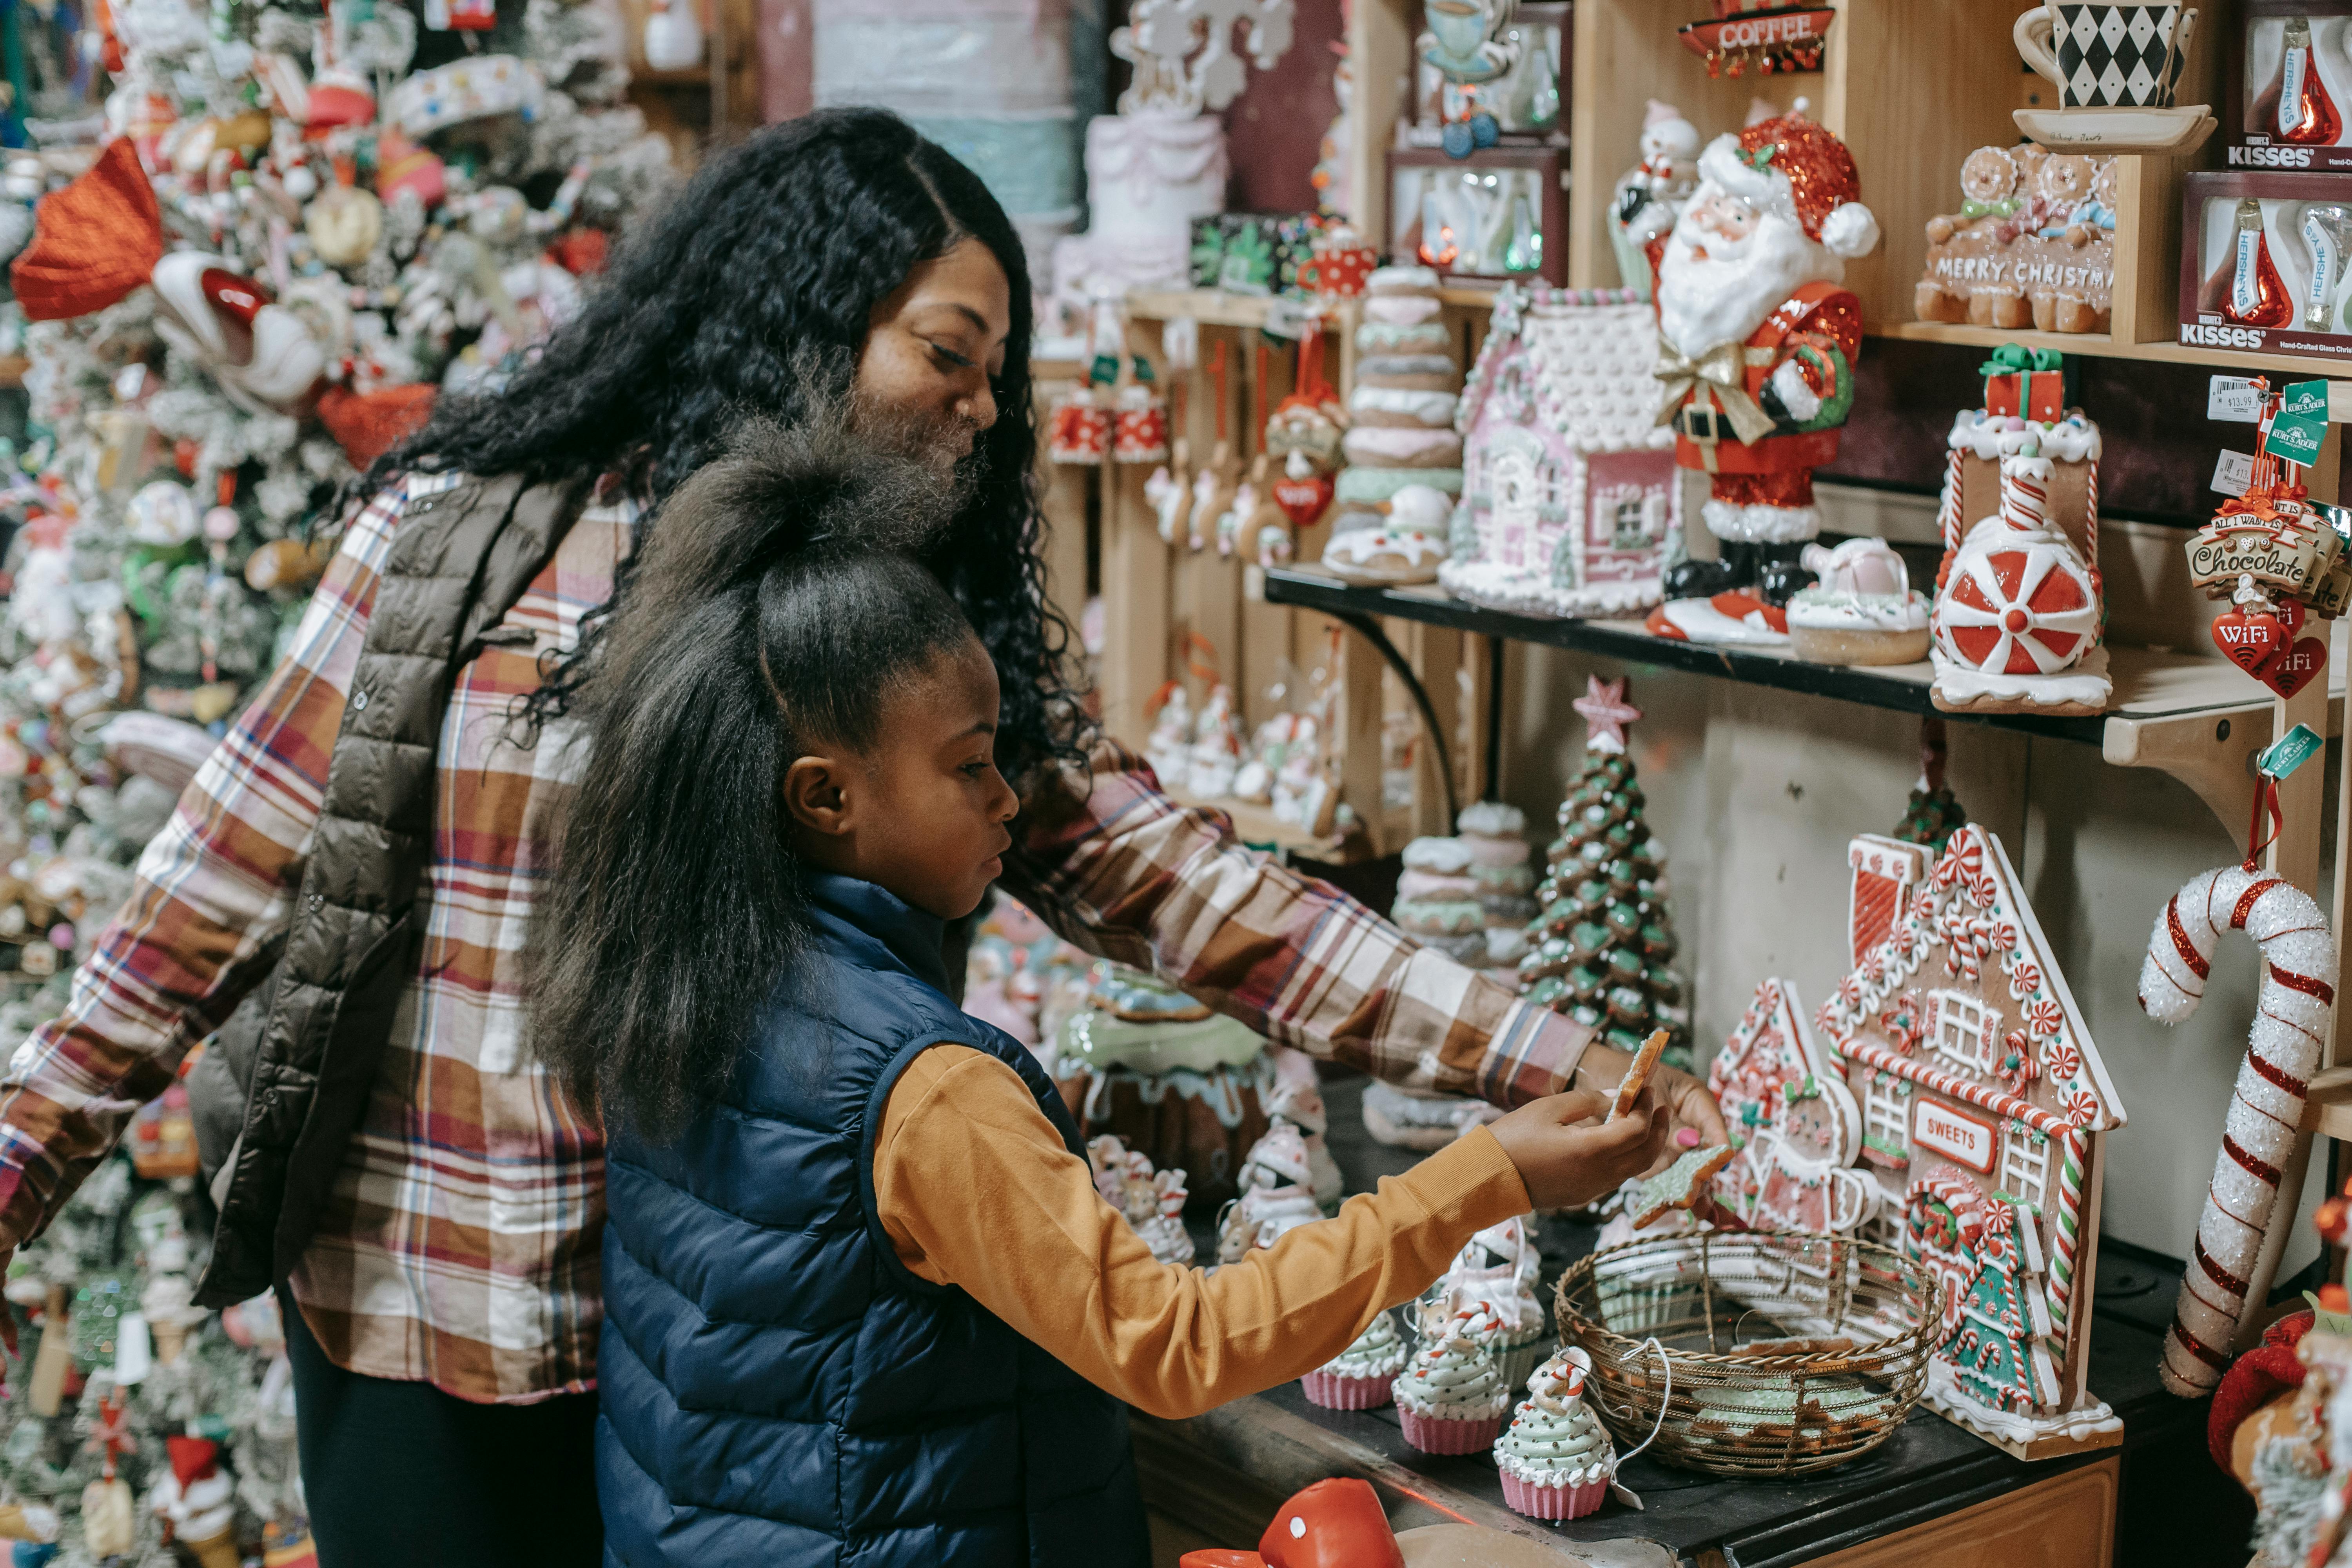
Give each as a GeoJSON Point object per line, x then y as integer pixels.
{"type": "Point", "coordinates": [2234, 400]}
{"type": "Point", "coordinates": [2234, 473]}
{"type": "Point", "coordinates": [2301, 425]}
{"type": "Point", "coordinates": [1288, 317]}
{"type": "Point", "coordinates": [2289, 752]}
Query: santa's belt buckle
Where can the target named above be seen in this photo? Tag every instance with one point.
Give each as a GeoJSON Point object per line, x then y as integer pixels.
{"type": "Point", "coordinates": [1704, 425]}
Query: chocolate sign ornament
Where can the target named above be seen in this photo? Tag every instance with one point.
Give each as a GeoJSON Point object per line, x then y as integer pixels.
{"type": "Point", "coordinates": [2272, 551]}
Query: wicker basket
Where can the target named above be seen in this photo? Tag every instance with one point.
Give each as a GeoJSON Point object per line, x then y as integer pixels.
{"type": "Point", "coordinates": [1702, 1295]}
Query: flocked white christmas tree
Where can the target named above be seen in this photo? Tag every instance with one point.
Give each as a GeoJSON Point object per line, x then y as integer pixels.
{"type": "Point", "coordinates": [308, 219]}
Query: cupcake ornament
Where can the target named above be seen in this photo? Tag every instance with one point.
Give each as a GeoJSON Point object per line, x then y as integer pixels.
{"type": "Point", "coordinates": [1496, 1271]}
{"type": "Point", "coordinates": [1555, 1457]}
{"type": "Point", "coordinates": [1359, 1377]}
{"type": "Point", "coordinates": [1451, 1398]}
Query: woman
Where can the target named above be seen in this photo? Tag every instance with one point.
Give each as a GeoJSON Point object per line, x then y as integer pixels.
{"type": "Point", "coordinates": [371, 834]}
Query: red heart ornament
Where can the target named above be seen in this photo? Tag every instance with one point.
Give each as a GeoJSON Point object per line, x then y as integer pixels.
{"type": "Point", "coordinates": [2250, 639]}
{"type": "Point", "coordinates": [1303, 501]}
{"type": "Point", "coordinates": [2290, 670]}
{"type": "Point", "coordinates": [2292, 615]}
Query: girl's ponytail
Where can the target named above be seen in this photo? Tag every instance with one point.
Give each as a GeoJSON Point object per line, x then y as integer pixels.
{"type": "Point", "coordinates": [675, 907]}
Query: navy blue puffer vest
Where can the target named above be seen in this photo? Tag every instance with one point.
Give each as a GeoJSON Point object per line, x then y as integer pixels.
{"type": "Point", "coordinates": [778, 1390]}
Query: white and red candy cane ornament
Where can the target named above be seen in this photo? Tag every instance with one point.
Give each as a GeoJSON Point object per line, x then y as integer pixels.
{"type": "Point", "coordinates": [2282, 1050]}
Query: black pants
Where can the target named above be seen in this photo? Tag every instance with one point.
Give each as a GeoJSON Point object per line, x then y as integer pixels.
{"type": "Point", "coordinates": [400, 1475]}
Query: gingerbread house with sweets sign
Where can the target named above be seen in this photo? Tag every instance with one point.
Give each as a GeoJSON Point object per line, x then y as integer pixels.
{"type": "Point", "coordinates": [1985, 1108]}
{"type": "Point", "coordinates": [1570, 501]}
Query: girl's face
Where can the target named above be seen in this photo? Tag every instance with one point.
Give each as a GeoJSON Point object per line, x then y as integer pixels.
{"type": "Point", "coordinates": [922, 812]}
{"type": "Point", "coordinates": [933, 346]}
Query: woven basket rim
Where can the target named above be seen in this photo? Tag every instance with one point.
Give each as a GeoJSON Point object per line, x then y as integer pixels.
{"type": "Point", "coordinates": [1694, 1244]}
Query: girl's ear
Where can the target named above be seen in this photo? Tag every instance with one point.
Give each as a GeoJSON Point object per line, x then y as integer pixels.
{"type": "Point", "coordinates": [817, 795]}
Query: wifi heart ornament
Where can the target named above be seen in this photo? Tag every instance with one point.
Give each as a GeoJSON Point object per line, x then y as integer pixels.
{"type": "Point", "coordinates": [2250, 639]}
{"type": "Point", "coordinates": [2291, 669]}
{"type": "Point", "coordinates": [1303, 499]}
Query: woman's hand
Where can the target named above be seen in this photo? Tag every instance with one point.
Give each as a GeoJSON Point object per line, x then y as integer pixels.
{"type": "Point", "coordinates": [1568, 1156]}
{"type": "Point", "coordinates": [1685, 1098]}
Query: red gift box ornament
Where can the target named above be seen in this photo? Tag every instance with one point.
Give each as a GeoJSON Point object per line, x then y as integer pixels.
{"type": "Point", "coordinates": [1079, 430]}
{"type": "Point", "coordinates": [1342, 266]}
{"type": "Point", "coordinates": [2023, 382]}
{"type": "Point", "coordinates": [1138, 420]}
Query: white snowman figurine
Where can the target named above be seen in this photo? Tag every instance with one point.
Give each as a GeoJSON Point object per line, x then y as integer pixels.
{"type": "Point", "coordinates": [1649, 196]}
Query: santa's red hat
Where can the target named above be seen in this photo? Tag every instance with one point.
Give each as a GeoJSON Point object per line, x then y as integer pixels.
{"type": "Point", "coordinates": [1797, 168]}
{"type": "Point", "coordinates": [2253, 1379]}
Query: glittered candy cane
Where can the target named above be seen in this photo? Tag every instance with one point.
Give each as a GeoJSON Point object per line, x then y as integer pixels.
{"type": "Point", "coordinates": [2282, 1050]}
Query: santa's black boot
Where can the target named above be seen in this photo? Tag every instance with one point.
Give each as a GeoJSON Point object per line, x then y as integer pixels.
{"type": "Point", "coordinates": [1706, 579]}
{"type": "Point", "coordinates": [1780, 575]}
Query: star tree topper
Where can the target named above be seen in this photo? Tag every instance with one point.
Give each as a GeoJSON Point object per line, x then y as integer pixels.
{"type": "Point", "coordinates": [1606, 713]}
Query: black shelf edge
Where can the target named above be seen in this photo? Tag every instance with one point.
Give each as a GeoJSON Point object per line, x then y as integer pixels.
{"type": "Point", "coordinates": [1313, 591]}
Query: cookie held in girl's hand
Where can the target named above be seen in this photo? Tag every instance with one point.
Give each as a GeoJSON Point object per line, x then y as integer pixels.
{"type": "Point", "coordinates": [1637, 1077]}
{"type": "Point", "coordinates": [1679, 1185]}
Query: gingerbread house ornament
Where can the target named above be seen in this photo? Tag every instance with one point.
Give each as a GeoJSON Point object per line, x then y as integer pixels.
{"type": "Point", "coordinates": [1885, 871]}
{"type": "Point", "coordinates": [1570, 505]}
{"type": "Point", "coordinates": [1985, 1109]}
{"type": "Point", "coordinates": [1797, 1126]}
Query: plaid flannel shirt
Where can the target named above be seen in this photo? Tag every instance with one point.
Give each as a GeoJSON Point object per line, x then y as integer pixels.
{"type": "Point", "coordinates": [459, 1244]}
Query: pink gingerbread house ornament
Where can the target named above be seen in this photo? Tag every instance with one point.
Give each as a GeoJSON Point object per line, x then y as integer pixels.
{"type": "Point", "coordinates": [1797, 1125]}
{"type": "Point", "coordinates": [1570, 500]}
{"type": "Point", "coordinates": [1985, 1109]}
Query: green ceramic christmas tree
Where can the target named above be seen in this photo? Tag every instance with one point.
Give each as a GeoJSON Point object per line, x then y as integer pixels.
{"type": "Point", "coordinates": [1603, 936]}
{"type": "Point", "coordinates": [1934, 813]}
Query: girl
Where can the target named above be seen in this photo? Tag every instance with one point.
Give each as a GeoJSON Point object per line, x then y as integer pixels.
{"type": "Point", "coordinates": [862, 1301]}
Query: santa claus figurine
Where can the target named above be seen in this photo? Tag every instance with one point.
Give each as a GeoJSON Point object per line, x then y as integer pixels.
{"type": "Point", "coordinates": [1757, 344]}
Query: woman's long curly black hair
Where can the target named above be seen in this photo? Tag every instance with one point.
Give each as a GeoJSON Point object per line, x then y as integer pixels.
{"type": "Point", "coordinates": [750, 294]}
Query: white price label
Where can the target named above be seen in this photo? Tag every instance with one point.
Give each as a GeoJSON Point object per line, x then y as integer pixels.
{"type": "Point", "coordinates": [2234, 399]}
{"type": "Point", "coordinates": [1288, 317]}
{"type": "Point", "coordinates": [2234, 473]}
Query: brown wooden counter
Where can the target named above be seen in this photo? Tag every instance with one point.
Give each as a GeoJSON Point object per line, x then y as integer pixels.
{"type": "Point", "coordinates": [1932, 1496]}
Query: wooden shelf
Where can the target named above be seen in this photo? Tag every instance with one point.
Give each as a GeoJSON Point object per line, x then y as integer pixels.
{"type": "Point", "coordinates": [1257, 826]}
{"type": "Point", "coordinates": [2196, 719]}
{"type": "Point", "coordinates": [2098, 345]}
{"type": "Point", "coordinates": [1215, 308]}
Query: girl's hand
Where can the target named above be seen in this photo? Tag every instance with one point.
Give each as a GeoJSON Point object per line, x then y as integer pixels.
{"type": "Point", "coordinates": [1568, 1156]}
{"type": "Point", "coordinates": [1687, 1104]}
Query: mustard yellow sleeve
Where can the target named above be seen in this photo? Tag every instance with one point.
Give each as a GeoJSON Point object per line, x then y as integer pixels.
{"type": "Point", "coordinates": [975, 1189]}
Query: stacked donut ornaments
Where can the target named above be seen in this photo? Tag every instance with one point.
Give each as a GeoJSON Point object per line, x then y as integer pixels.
{"type": "Point", "coordinates": [1442, 903]}
{"type": "Point", "coordinates": [1438, 899]}
{"type": "Point", "coordinates": [1496, 838]}
{"type": "Point", "coordinates": [1396, 496]}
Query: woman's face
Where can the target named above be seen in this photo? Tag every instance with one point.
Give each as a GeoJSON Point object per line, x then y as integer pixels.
{"type": "Point", "coordinates": [931, 349]}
